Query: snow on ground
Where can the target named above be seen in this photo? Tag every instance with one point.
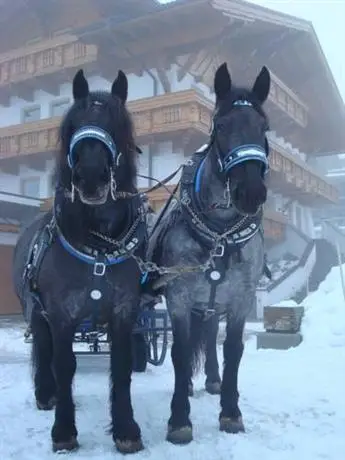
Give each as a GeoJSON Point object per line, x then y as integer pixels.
{"type": "Point", "coordinates": [292, 401]}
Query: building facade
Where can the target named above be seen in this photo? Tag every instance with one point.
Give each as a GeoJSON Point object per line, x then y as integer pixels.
{"type": "Point", "coordinates": [170, 53]}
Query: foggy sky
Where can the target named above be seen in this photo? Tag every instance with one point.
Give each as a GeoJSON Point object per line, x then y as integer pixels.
{"type": "Point", "coordinates": [328, 18]}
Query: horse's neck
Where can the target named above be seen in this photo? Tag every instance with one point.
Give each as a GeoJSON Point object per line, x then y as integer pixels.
{"type": "Point", "coordinates": [213, 192]}
{"type": "Point", "coordinates": [77, 220]}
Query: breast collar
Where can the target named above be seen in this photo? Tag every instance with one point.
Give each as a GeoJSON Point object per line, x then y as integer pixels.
{"type": "Point", "coordinates": [108, 251]}
{"type": "Point", "coordinates": [238, 232]}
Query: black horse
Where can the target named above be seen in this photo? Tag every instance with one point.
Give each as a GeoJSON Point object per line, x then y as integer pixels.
{"type": "Point", "coordinates": [214, 233]}
{"type": "Point", "coordinates": [78, 260]}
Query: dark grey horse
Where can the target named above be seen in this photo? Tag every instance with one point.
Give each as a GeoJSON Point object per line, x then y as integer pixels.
{"type": "Point", "coordinates": [211, 367]}
{"type": "Point", "coordinates": [77, 260]}
{"type": "Point", "coordinates": [214, 233]}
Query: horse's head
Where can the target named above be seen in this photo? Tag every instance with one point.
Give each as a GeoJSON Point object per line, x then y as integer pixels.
{"type": "Point", "coordinates": [98, 153]}
{"type": "Point", "coordinates": [239, 137]}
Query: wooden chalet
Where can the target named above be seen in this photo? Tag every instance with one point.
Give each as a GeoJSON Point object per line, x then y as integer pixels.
{"type": "Point", "coordinates": [44, 42]}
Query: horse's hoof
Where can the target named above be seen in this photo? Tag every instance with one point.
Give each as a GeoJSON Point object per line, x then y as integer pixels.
{"type": "Point", "coordinates": [46, 406]}
{"type": "Point", "coordinates": [190, 390]}
{"type": "Point", "coordinates": [231, 425]}
{"type": "Point", "coordinates": [182, 435]}
{"type": "Point", "coordinates": [129, 447]}
{"type": "Point", "coordinates": [213, 388]}
{"type": "Point", "coordinates": [66, 446]}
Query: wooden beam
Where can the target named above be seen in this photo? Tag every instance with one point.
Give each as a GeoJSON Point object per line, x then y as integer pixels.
{"type": "Point", "coordinates": [162, 75]}
{"type": "Point", "coordinates": [169, 40]}
{"type": "Point", "coordinates": [184, 69]}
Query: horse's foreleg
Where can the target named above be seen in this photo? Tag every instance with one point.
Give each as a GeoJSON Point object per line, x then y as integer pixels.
{"type": "Point", "coordinates": [64, 432]}
{"type": "Point", "coordinates": [42, 357]}
{"type": "Point", "coordinates": [179, 424]}
{"type": "Point", "coordinates": [230, 418]}
{"type": "Point", "coordinates": [125, 431]}
{"type": "Point", "coordinates": [213, 380]}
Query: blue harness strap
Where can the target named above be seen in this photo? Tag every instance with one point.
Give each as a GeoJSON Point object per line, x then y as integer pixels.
{"type": "Point", "coordinates": [108, 260]}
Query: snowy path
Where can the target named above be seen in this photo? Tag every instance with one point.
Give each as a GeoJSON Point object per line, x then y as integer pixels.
{"type": "Point", "coordinates": [291, 408]}
{"type": "Point", "coordinates": [293, 402]}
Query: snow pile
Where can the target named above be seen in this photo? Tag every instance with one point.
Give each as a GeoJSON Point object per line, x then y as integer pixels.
{"type": "Point", "coordinates": [324, 321]}
{"type": "Point", "coordinates": [286, 303]}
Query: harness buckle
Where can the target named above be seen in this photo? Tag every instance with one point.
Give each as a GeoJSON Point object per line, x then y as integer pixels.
{"type": "Point", "coordinates": [209, 313]}
{"type": "Point", "coordinates": [219, 251]}
{"type": "Point", "coordinates": [99, 269]}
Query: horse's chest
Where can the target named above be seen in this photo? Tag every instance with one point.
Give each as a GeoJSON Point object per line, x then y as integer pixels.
{"type": "Point", "coordinates": [239, 283]}
{"type": "Point", "coordinates": [78, 291]}
{"type": "Point", "coordinates": [234, 286]}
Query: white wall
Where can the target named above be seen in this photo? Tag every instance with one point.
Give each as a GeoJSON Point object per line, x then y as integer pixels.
{"type": "Point", "coordinates": [11, 183]}
{"type": "Point", "coordinates": [302, 218]}
{"type": "Point", "coordinates": [279, 203]}
{"type": "Point", "coordinates": [166, 160]}
{"type": "Point", "coordinates": [8, 239]}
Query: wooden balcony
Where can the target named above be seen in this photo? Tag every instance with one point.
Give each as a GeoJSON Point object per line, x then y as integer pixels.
{"type": "Point", "coordinates": [169, 116]}
{"type": "Point", "coordinates": [292, 176]}
{"type": "Point", "coordinates": [19, 69]}
{"type": "Point", "coordinates": [171, 113]}
{"type": "Point", "coordinates": [287, 101]}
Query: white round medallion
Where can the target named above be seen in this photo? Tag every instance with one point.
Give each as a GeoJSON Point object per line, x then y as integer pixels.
{"type": "Point", "coordinates": [215, 275]}
{"type": "Point", "coordinates": [95, 294]}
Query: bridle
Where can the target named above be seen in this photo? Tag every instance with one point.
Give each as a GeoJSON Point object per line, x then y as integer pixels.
{"type": "Point", "coordinates": [241, 153]}
{"type": "Point", "coordinates": [94, 132]}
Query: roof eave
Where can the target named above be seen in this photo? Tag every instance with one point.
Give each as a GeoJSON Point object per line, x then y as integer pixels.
{"type": "Point", "coordinates": [249, 11]}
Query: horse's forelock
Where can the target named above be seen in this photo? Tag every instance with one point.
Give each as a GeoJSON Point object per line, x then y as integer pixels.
{"type": "Point", "coordinates": [106, 105]}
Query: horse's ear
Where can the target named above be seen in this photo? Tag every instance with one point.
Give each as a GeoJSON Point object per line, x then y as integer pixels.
{"type": "Point", "coordinates": [138, 150]}
{"type": "Point", "coordinates": [80, 86]}
{"type": "Point", "coordinates": [261, 87]}
{"type": "Point", "coordinates": [222, 81]}
{"type": "Point", "coordinates": [120, 86]}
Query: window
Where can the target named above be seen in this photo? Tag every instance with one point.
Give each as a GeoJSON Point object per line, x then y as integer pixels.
{"type": "Point", "coordinates": [30, 187]}
{"type": "Point", "coordinates": [58, 108]}
{"type": "Point", "coordinates": [32, 113]}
